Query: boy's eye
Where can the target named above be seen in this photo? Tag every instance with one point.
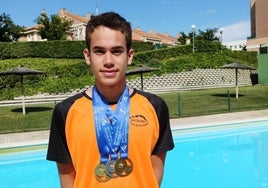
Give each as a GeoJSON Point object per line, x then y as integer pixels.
{"type": "Point", "coordinates": [99, 51]}
{"type": "Point", "coordinates": [117, 52]}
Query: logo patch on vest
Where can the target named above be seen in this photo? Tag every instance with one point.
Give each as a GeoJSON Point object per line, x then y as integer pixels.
{"type": "Point", "coordinates": [138, 120]}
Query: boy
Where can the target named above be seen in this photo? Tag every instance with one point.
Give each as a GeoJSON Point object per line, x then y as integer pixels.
{"type": "Point", "coordinates": [110, 135]}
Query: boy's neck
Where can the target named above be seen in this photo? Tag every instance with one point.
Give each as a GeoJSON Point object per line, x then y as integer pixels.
{"type": "Point", "coordinates": [111, 94]}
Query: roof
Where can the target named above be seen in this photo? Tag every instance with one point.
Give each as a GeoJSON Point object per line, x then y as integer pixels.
{"type": "Point", "coordinates": [139, 35]}
{"type": "Point", "coordinates": [62, 13]}
{"type": "Point", "coordinates": [34, 27]}
{"type": "Point", "coordinates": [76, 18]}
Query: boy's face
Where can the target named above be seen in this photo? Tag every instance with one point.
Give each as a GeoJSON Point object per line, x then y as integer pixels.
{"type": "Point", "coordinates": [108, 56]}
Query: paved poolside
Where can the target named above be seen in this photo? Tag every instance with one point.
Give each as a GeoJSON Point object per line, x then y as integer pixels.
{"type": "Point", "coordinates": [41, 137]}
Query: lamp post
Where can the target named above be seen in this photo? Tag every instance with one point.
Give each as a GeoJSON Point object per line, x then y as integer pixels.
{"type": "Point", "coordinates": [193, 30]}
{"type": "Point", "coordinates": [97, 8]}
{"type": "Point", "coordinates": [221, 32]}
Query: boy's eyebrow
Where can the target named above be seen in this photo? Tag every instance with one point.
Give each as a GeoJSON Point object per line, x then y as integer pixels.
{"type": "Point", "coordinates": [115, 47]}
{"type": "Point", "coordinates": [97, 47]}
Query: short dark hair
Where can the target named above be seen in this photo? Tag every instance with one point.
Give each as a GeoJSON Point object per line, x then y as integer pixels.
{"type": "Point", "coordinates": [111, 20]}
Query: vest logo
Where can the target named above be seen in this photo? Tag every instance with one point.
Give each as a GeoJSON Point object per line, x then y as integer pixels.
{"type": "Point", "coordinates": [138, 120]}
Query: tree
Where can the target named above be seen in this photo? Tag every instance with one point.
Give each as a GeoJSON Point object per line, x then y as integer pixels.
{"type": "Point", "coordinates": [182, 38]}
{"type": "Point", "coordinates": [8, 30]}
{"type": "Point", "coordinates": [54, 28]}
{"type": "Point", "coordinates": [208, 35]}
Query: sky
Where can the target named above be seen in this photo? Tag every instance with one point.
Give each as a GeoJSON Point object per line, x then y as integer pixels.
{"type": "Point", "coordinates": [162, 16]}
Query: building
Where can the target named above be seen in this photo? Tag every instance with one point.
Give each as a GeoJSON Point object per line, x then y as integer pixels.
{"type": "Point", "coordinates": [77, 31]}
{"type": "Point", "coordinates": [78, 28]}
{"type": "Point", "coordinates": [31, 34]}
{"type": "Point", "coordinates": [259, 24]}
{"type": "Point", "coordinates": [236, 45]}
{"type": "Point", "coordinates": [155, 38]}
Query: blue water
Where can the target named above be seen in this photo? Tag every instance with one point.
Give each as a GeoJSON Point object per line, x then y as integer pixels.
{"type": "Point", "coordinates": [236, 157]}
{"type": "Point", "coordinates": [27, 170]}
{"type": "Point", "coordinates": [229, 156]}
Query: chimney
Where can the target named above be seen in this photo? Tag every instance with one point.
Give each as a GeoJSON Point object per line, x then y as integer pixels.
{"type": "Point", "coordinates": [62, 12]}
{"type": "Point", "coordinates": [43, 11]}
{"type": "Point", "coordinates": [88, 15]}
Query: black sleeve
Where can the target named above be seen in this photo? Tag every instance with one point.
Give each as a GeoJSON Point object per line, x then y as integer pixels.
{"type": "Point", "coordinates": [165, 139]}
{"type": "Point", "coordinates": [57, 147]}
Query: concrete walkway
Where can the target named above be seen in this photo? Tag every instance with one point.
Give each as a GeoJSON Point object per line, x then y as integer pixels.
{"type": "Point", "coordinates": [23, 139]}
{"type": "Point", "coordinates": [41, 137]}
{"type": "Point", "coordinates": [201, 121]}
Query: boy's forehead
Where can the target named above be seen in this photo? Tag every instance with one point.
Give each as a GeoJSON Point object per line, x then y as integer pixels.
{"type": "Point", "coordinates": [106, 36]}
{"type": "Point", "coordinates": [103, 29]}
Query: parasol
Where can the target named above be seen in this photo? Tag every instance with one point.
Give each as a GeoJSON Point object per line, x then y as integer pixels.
{"type": "Point", "coordinates": [140, 70]}
{"type": "Point", "coordinates": [21, 71]}
{"type": "Point", "coordinates": [236, 66]}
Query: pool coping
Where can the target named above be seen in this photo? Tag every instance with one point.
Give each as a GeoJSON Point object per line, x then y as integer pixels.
{"type": "Point", "coordinates": [22, 139]}
{"type": "Point", "coordinates": [218, 119]}
{"type": "Point", "coordinates": [179, 124]}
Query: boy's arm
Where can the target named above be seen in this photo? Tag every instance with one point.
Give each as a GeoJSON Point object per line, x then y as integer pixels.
{"type": "Point", "coordinates": [66, 175]}
{"type": "Point", "coordinates": [158, 162]}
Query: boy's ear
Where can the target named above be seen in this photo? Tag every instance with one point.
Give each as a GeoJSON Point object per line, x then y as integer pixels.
{"type": "Point", "coordinates": [87, 56]}
{"type": "Point", "coordinates": [130, 56]}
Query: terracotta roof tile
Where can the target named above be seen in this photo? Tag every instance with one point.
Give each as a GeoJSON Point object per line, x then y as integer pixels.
{"type": "Point", "coordinates": [140, 35]}
{"type": "Point", "coordinates": [74, 17]}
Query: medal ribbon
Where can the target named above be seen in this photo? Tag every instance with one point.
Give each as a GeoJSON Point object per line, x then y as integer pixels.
{"type": "Point", "coordinates": [111, 126]}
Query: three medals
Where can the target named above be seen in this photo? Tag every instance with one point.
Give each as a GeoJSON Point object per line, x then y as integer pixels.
{"type": "Point", "coordinates": [113, 169]}
{"type": "Point", "coordinates": [112, 136]}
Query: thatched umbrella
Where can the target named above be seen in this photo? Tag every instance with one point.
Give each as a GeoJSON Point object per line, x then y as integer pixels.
{"type": "Point", "coordinates": [236, 66]}
{"type": "Point", "coordinates": [21, 71]}
{"type": "Point", "coordinates": [140, 70]}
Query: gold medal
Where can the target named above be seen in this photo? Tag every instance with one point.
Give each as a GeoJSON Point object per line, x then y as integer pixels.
{"type": "Point", "coordinates": [100, 173]}
{"type": "Point", "coordinates": [123, 167]}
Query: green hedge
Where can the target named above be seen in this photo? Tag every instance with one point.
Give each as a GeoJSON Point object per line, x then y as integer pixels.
{"type": "Point", "coordinates": [198, 61]}
{"type": "Point", "coordinates": [166, 53]}
{"type": "Point", "coordinates": [44, 49]}
{"type": "Point", "coordinates": [53, 49]}
{"type": "Point", "coordinates": [64, 74]}
{"type": "Point", "coordinates": [181, 58]}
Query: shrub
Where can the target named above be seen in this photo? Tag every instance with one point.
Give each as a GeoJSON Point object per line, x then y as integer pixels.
{"type": "Point", "coordinates": [53, 49]}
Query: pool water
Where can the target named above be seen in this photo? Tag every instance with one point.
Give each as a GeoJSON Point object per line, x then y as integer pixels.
{"type": "Point", "coordinates": [228, 156]}
{"type": "Point", "coordinates": [27, 170]}
{"type": "Point", "coordinates": [221, 158]}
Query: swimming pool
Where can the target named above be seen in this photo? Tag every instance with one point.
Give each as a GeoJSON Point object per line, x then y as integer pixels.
{"type": "Point", "coordinates": [222, 156]}
{"type": "Point", "coordinates": [27, 169]}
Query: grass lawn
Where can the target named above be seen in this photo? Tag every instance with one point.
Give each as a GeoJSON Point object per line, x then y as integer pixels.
{"type": "Point", "coordinates": [37, 118]}
{"type": "Point", "coordinates": [192, 103]}
{"type": "Point", "coordinates": [215, 101]}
